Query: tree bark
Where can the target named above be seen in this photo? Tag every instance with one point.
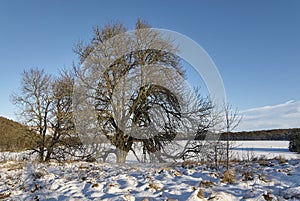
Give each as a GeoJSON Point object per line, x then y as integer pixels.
{"type": "Point", "coordinates": [121, 155]}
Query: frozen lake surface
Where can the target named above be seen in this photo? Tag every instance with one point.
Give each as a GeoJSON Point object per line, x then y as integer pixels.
{"type": "Point", "coordinates": [268, 149]}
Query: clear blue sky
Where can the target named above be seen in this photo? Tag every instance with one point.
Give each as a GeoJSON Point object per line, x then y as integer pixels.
{"type": "Point", "coordinates": [254, 44]}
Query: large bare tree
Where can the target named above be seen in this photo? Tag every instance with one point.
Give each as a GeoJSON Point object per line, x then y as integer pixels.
{"type": "Point", "coordinates": [135, 87]}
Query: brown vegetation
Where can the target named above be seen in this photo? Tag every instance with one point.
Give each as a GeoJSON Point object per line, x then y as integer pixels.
{"type": "Point", "coordinates": [228, 177]}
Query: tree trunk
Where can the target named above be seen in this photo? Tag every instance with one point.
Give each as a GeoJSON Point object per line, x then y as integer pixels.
{"type": "Point", "coordinates": [227, 150]}
{"type": "Point", "coordinates": [121, 155]}
{"type": "Point", "coordinates": [49, 153]}
{"type": "Point", "coordinates": [41, 154]}
{"type": "Point", "coordinates": [216, 157]}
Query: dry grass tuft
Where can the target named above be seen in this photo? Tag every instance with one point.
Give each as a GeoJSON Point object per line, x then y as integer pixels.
{"type": "Point", "coordinates": [190, 164]}
{"type": "Point", "coordinates": [176, 173]}
{"type": "Point", "coordinates": [35, 188]}
{"type": "Point", "coordinates": [265, 163]}
{"type": "Point", "coordinates": [268, 197]}
{"type": "Point", "coordinates": [200, 193]}
{"type": "Point", "coordinates": [13, 165]}
{"type": "Point", "coordinates": [16, 167]}
{"type": "Point", "coordinates": [38, 175]}
{"type": "Point", "coordinates": [248, 176]}
{"type": "Point", "coordinates": [5, 194]}
{"type": "Point", "coordinates": [214, 175]}
{"type": "Point", "coordinates": [281, 159]}
{"type": "Point", "coordinates": [155, 186]}
{"type": "Point", "coordinates": [263, 178]}
{"type": "Point", "coordinates": [83, 166]}
{"type": "Point", "coordinates": [228, 177]}
{"type": "Point", "coordinates": [206, 184]}
{"type": "Point", "coordinates": [95, 185]}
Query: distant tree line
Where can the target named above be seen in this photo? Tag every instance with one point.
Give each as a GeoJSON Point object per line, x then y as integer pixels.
{"type": "Point", "coordinates": [272, 134]}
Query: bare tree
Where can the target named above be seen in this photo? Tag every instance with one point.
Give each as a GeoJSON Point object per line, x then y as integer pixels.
{"type": "Point", "coordinates": [34, 102]}
{"type": "Point", "coordinates": [45, 105]}
{"type": "Point", "coordinates": [231, 121]}
{"type": "Point", "coordinates": [211, 148]}
{"type": "Point", "coordinates": [136, 86]}
{"type": "Point", "coordinates": [61, 121]}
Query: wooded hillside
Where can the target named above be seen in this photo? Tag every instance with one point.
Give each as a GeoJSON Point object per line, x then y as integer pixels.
{"type": "Point", "coordinates": [14, 136]}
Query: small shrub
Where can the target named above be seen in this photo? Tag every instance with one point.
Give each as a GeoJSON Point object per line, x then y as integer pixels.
{"type": "Point", "coordinates": [228, 177]}
{"type": "Point", "coordinates": [295, 142]}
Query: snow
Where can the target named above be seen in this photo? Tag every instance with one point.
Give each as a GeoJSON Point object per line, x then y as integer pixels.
{"type": "Point", "coordinates": [103, 181]}
{"type": "Point", "coordinates": [22, 178]}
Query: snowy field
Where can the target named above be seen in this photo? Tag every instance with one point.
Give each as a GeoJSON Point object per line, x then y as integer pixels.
{"type": "Point", "coordinates": [265, 179]}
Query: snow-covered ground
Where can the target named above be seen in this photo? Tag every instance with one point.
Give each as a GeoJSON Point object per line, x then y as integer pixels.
{"type": "Point", "coordinates": [273, 179]}
{"type": "Point", "coordinates": [254, 178]}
